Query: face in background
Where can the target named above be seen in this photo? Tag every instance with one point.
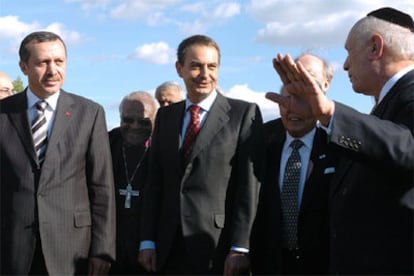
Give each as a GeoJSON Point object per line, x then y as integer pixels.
{"type": "Point", "coordinates": [6, 86]}
{"type": "Point", "coordinates": [169, 95]}
{"type": "Point", "coordinates": [297, 118]}
{"type": "Point", "coordinates": [45, 68]}
{"type": "Point", "coordinates": [199, 71]}
{"type": "Point", "coordinates": [136, 122]}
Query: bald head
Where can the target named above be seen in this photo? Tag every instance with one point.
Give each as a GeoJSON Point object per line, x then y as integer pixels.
{"type": "Point", "coordinates": [6, 86]}
{"type": "Point", "coordinates": [169, 92]}
{"type": "Point", "coordinates": [320, 69]}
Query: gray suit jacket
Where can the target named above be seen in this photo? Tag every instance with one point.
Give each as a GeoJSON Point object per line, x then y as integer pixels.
{"type": "Point", "coordinates": [212, 198]}
{"type": "Point", "coordinates": [69, 200]}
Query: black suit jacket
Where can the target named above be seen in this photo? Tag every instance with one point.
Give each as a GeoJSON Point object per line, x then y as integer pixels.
{"type": "Point", "coordinates": [213, 197]}
{"type": "Point", "coordinates": [313, 217]}
{"type": "Point", "coordinates": [68, 201]}
{"type": "Point", "coordinates": [371, 231]}
{"type": "Point", "coordinates": [127, 219]}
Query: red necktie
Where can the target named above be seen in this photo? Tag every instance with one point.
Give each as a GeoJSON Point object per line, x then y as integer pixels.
{"type": "Point", "coordinates": [192, 131]}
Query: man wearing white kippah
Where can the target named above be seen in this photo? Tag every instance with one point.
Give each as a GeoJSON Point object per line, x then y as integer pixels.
{"type": "Point", "coordinates": [371, 228]}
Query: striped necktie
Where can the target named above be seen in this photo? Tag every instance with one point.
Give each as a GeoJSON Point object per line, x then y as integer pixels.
{"type": "Point", "coordinates": [289, 196]}
{"type": "Point", "coordinates": [39, 130]}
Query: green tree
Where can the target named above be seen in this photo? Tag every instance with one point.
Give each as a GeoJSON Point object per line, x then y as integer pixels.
{"type": "Point", "coordinates": [18, 85]}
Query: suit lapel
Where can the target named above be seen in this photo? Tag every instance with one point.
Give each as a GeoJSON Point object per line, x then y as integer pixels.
{"type": "Point", "coordinates": [317, 164]}
{"type": "Point", "coordinates": [63, 116]}
{"type": "Point", "coordinates": [216, 119]}
{"type": "Point", "coordinates": [20, 120]}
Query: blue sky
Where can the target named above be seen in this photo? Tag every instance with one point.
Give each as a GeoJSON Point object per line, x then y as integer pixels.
{"type": "Point", "coordinates": [119, 46]}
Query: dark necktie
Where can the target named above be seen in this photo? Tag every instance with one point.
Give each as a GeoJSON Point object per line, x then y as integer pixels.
{"type": "Point", "coordinates": [39, 130]}
{"type": "Point", "coordinates": [289, 196]}
{"type": "Point", "coordinates": [191, 132]}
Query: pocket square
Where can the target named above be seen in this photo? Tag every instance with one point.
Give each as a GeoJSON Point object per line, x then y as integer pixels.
{"type": "Point", "coordinates": [329, 170]}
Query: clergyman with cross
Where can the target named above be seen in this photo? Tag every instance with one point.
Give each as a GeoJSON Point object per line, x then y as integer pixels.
{"type": "Point", "coordinates": [129, 147]}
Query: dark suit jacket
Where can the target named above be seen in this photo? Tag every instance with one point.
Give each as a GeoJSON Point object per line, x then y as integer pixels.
{"type": "Point", "coordinates": [371, 231]}
{"type": "Point", "coordinates": [213, 198]}
{"type": "Point", "coordinates": [313, 226]}
{"type": "Point", "coordinates": [69, 200]}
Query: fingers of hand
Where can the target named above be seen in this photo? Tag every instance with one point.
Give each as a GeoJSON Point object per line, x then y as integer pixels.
{"type": "Point", "coordinates": [280, 71]}
{"type": "Point", "coordinates": [277, 98]}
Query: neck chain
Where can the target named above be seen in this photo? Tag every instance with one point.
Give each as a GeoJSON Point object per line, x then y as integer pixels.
{"type": "Point", "coordinates": [129, 180]}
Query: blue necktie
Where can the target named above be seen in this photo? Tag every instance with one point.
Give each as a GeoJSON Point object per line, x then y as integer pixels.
{"type": "Point", "coordinates": [289, 196]}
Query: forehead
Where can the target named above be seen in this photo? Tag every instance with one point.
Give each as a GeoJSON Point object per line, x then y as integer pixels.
{"type": "Point", "coordinates": [351, 39]}
{"type": "Point", "coordinates": [5, 83]}
{"type": "Point", "coordinates": [46, 49]}
{"type": "Point", "coordinates": [132, 106]}
{"type": "Point", "coordinates": [169, 91]}
{"type": "Point", "coordinates": [312, 64]}
{"type": "Point", "coordinates": [202, 53]}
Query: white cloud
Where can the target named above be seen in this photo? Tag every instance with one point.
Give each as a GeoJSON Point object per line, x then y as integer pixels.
{"type": "Point", "coordinates": [312, 23]}
{"type": "Point", "coordinates": [13, 30]}
{"type": "Point", "coordinates": [269, 109]}
{"type": "Point", "coordinates": [89, 5]}
{"type": "Point", "coordinates": [226, 10]}
{"type": "Point", "coordinates": [193, 7]}
{"type": "Point", "coordinates": [190, 28]}
{"type": "Point", "coordinates": [133, 9]}
{"type": "Point", "coordinates": [154, 53]}
{"type": "Point", "coordinates": [70, 37]}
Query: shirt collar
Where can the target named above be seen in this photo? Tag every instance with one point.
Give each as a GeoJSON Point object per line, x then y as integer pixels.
{"type": "Point", "coordinates": [204, 104]}
{"type": "Point", "coordinates": [392, 81]}
{"type": "Point", "coordinates": [307, 139]}
{"type": "Point", "coordinates": [32, 99]}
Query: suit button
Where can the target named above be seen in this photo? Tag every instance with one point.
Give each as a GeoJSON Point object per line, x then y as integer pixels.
{"type": "Point", "coordinates": [344, 191]}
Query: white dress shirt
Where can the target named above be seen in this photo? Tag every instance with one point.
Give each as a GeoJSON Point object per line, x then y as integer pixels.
{"type": "Point", "coordinates": [304, 152]}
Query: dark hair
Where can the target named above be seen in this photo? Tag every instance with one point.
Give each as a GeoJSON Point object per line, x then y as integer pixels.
{"type": "Point", "coordinates": [195, 40]}
{"type": "Point", "coordinates": [37, 37]}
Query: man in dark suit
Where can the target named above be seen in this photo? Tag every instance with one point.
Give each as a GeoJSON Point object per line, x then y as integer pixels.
{"type": "Point", "coordinates": [199, 209]}
{"type": "Point", "coordinates": [57, 195]}
{"type": "Point", "coordinates": [129, 148]}
{"type": "Point", "coordinates": [371, 228]}
{"type": "Point", "coordinates": [270, 251]}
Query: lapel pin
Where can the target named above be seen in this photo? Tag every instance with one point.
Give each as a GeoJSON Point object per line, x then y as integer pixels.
{"type": "Point", "coordinates": [67, 113]}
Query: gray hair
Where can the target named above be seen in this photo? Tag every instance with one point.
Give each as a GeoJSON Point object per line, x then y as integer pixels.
{"type": "Point", "coordinates": [169, 84]}
{"type": "Point", "coordinates": [141, 96]}
{"type": "Point", "coordinates": [328, 70]}
{"type": "Point", "coordinates": [399, 41]}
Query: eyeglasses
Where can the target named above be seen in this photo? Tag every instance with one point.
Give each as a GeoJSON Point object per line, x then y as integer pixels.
{"type": "Point", "coordinates": [140, 121]}
{"type": "Point", "coordinates": [7, 90]}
